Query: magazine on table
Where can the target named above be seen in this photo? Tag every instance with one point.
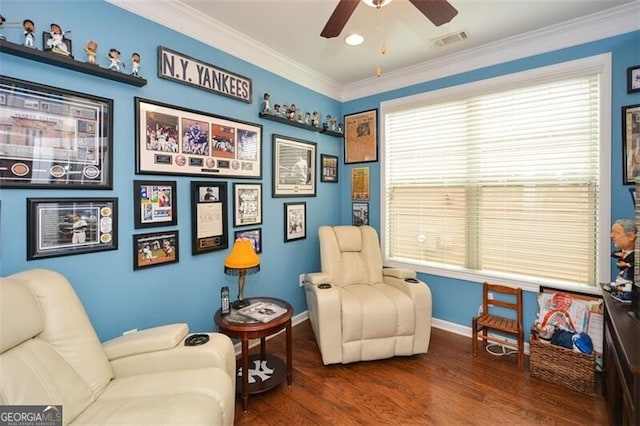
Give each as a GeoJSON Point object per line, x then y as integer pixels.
{"type": "Point", "coordinates": [262, 311]}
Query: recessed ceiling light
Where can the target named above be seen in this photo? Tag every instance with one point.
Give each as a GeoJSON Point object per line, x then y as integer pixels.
{"type": "Point", "coordinates": [354, 39]}
{"type": "Point", "coordinates": [376, 3]}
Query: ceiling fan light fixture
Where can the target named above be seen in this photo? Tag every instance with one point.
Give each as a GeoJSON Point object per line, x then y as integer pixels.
{"type": "Point", "coordinates": [354, 39]}
{"type": "Point", "coordinates": [376, 3]}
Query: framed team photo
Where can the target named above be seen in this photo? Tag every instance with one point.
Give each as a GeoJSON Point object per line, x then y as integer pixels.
{"type": "Point", "coordinates": [155, 203]}
{"type": "Point", "coordinates": [155, 249]}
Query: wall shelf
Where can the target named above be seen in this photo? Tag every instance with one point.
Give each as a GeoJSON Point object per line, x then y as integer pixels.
{"type": "Point", "coordinates": [68, 63]}
{"type": "Point", "coordinates": [332, 133]}
{"type": "Point", "coordinates": [283, 120]}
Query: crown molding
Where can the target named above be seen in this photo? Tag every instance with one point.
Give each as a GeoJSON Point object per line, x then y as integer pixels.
{"type": "Point", "coordinates": [594, 27]}
{"type": "Point", "coordinates": [186, 20]}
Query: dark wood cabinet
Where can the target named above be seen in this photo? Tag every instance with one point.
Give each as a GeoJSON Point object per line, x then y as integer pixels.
{"type": "Point", "coordinates": [621, 378]}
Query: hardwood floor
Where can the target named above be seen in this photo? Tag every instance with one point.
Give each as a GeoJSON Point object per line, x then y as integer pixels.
{"type": "Point", "coordinates": [446, 386]}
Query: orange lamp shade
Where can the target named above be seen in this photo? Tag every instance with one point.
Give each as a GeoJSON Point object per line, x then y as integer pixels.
{"type": "Point", "coordinates": [242, 258]}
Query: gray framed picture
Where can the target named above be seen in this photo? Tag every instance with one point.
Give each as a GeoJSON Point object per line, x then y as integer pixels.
{"type": "Point", "coordinates": [294, 167]}
{"type": "Point", "coordinates": [247, 204]}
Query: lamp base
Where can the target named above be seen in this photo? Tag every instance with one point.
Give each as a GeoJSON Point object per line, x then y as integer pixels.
{"type": "Point", "coordinates": [237, 304]}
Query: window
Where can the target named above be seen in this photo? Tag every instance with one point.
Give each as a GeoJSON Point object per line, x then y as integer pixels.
{"type": "Point", "coordinates": [503, 178]}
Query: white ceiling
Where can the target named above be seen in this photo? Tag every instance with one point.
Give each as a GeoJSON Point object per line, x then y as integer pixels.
{"type": "Point", "coordinates": [290, 29]}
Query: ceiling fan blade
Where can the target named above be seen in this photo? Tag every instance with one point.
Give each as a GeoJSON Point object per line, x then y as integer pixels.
{"type": "Point", "coordinates": [339, 18]}
{"type": "Point", "coordinates": [437, 11]}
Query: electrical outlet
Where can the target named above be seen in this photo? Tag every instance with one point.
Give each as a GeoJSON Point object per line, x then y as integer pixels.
{"type": "Point", "coordinates": [301, 280]}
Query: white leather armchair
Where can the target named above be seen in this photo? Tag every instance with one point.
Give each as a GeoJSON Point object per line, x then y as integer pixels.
{"type": "Point", "coordinates": [360, 311]}
{"type": "Point", "coordinates": [51, 355]}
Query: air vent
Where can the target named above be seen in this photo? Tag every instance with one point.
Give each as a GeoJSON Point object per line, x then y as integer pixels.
{"type": "Point", "coordinates": [448, 39]}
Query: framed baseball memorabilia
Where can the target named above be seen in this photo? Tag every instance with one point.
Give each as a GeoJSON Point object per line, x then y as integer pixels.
{"type": "Point", "coordinates": [155, 203]}
{"type": "Point", "coordinates": [294, 167]}
{"type": "Point", "coordinates": [208, 217]}
{"type": "Point", "coordinates": [329, 165]}
{"type": "Point", "coordinates": [155, 249]}
{"type": "Point", "coordinates": [254, 235]}
{"type": "Point", "coordinates": [361, 137]}
{"type": "Point", "coordinates": [295, 221]}
{"type": "Point", "coordinates": [247, 204]}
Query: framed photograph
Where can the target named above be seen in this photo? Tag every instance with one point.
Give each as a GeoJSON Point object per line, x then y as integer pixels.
{"type": "Point", "coordinates": [155, 203]}
{"type": "Point", "coordinates": [295, 221]}
{"type": "Point", "coordinates": [361, 137]}
{"type": "Point", "coordinates": [360, 214]}
{"type": "Point", "coordinates": [180, 141]}
{"type": "Point", "coordinates": [247, 204]}
{"type": "Point", "coordinates": [631, 142]}
{"type": "Point", "coordinates": [66, 226]}
{"type": "Point", "coordinates": [254, 235]}
{"type": "Point", "coordinates": [208, 217]}
{"type": "Point", "coordinates": [155, 249]}
{"type": "Point", "coordinates": [360, 183]}
{"type": "Point", "coordinates": [329, 164]}
{"type": "Point", "coordinates": [633, 79]}
{"type": "Point", "coordinates": [54, 138]}
{"type": "Point", "coordinates": [294, 167]}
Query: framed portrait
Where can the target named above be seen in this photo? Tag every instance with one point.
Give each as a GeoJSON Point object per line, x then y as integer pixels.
{"type": "Point", "coordinates": [247, 204]}
{"type": "Point", "coordinates": [361, 137]}
{"type": "Point", "coordinates": [155, 249]}
{"type": "Point", "coordinates": [208, 217]}
{"type": "Point", "coordinates": [633, 79]}
{"type": "Point", "coordinates": [67, 226]}
{"type": "Point", "coordinates": [155, 203]}
{"type": "Point", "coordinates": [329, 165]}
{"type": "Point", "coordinates": [254, 235]}
{"type": "Point", "coordinates": [180, 141]}
{"type": "Point", "coordinates": [295, 221]}
{"type": "Point", "coordinates": [360, 183]}
{"type": "Point", "coordinates": [54, 138]}
{"type": "Point", "coordinates": [359, 214]}
{"type": "Point", "coordinates": [294, 167]}
{"type": "Point", "coordinates": [631, 142]}
{"type": "Point", "coordinates": [60, 45]}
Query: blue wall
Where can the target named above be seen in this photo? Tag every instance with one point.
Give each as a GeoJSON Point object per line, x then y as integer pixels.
{"type": "Point", "coordinates": [118, 298]}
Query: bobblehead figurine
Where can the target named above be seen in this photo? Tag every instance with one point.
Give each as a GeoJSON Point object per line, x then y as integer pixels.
{"type": "Point", "coordinates": [135, 64]}
{"type": "Point", "coordinates": [29, 33]}
{"type": "Point", "coordinates": [114, 60]}
{"type": "Point", "coordinates": [91, 49]}
{"type": "Point", "coordinates": [56, 42]}
{"type": "Point", "coordinates": [2, 21]}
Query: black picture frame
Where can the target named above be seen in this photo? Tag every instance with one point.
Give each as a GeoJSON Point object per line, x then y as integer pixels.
{"type": "Point", "coordinates": [361, 137]}
{"type": "Point", "coordinates": [155, 249]}
{"type": "Point", "coordinates": [295, 221]}
{"type": "Point", "coordinates": [254, 235]}
{"type": "Point", "coordinates": [633, 79]}
{"type": "Point", "coordinates": [209, 227]}
{"type": "Point", "coordinates": [294, 167]}
{"type": "Point", "coordinates": [247, 204]}
{"type": "Point", "coordinates": [328, 168]}
{"type": "Point", "coordinates": [359, 214]}
{"type": "Point", "coordinates": [171, 140]}
{"type": "Point", "coordinates": [76, 153]}
{"type": "Point", "coordinates": [69, 226]}
{"type": "Point", "coordinates": [630, 143]}
{"type": "Point", "coordinates": [155, 203]}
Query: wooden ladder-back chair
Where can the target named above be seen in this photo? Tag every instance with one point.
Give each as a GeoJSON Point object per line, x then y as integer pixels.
{"type": "Point", "coordinates": [495, 296]}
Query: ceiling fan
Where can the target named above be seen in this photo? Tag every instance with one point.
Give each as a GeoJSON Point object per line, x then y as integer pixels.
{"type": "Point", "coordinates": [437, 11]}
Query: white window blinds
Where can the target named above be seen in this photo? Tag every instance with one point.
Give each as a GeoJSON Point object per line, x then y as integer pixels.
{"type": "Point", "coordinates": [505, 183]}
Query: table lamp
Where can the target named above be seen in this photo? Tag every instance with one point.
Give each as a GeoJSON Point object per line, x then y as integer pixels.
{"type": "Point", "coordinates": [242, 261]}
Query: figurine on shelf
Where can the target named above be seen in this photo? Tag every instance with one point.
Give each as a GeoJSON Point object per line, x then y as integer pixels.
{"type": "Point", "coordinates": [291, 113]}
{"type": "Point", "coordinates": [340, 128]}
{"type": "Point", "coordinates": [307, 118]}
{"type": "Point", "coordinates": [114, 60]}
{"type": "Point", "coordinates": [2, 21]}
{"type": "Point", "coordinates": [276, 110]}
{"type": "Point", "coordinates": [315, 122]}
{"type": "Point", "coordinates": [91, 49]}
{"type": "Point", "coordinates": [285, 111]}
{"type": "Point", "coordinates": [57, 42]}
{"type": "Point", "coordinates": [29, 33]}
{"type": "Point", "coordinates": [135, 64]}
{"type": "Point", "coordinates": [327, 124]}
{"type": "Point", "coordinates": [266, 103]}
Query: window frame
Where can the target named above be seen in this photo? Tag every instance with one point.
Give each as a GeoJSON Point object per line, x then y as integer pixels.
{"type": "Point", "coordinates": [594, 64]}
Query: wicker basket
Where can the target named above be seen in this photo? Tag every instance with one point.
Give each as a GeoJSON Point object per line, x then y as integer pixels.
{"type": "Point", "coordinates": [562, 366]}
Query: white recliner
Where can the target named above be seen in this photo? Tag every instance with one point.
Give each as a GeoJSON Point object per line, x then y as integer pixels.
{"type": "Point", "coordinates": [51, 355]}
{"type": "Point", "coordinates": [360, 311]}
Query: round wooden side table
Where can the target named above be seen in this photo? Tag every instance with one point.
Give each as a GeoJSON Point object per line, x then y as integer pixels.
{"type": "Point", "coordinates": [269, 370]}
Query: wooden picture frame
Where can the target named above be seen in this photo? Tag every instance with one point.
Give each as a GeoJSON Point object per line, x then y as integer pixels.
{"type": "Point", "coordinates": [247, 204]}
{"type": "Point", "coordinates": [295, 221]}
{"type": "Point", "coordinates": [631, 143]}
{"type": "Point", "coordinates": [208, 217]}
{"type": "Point", "coordinates": [360, 184]}
{"type": "Point", "coordinates": [359, 214]}
{"type": "Point", "coordinates": [155, 249]}
{"type": "Point", "coordinates": [155, 203]}
{"type": "Point", "coordinates": [294, 167]}
{"type": "Point", "coordinates": [180, 141]}
{"type": "Point", "coordinates": [329, 168]}
{"type": "Point", "coordinates": [633, 79]}
{"type": "Point", "coordinates": [361, 137]}
{"type": "Point", "coordinates": [55, 138]}
{"type": "Point", "coordinates": [254, 235]}
{"type": "Point", "coordinates": [68, 226]}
